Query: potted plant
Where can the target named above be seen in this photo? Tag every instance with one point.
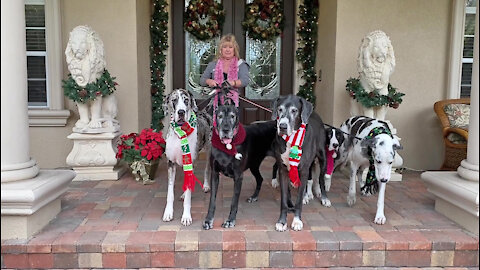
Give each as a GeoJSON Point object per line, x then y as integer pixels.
{"type": "Point", "coordinates": [142, 152]}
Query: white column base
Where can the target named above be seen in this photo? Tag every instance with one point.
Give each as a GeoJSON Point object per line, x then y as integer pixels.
{"type": "Point", "coordinates": [468, 171]}
{"type": "Point", "coordinates": [455, 197]}
{"type": "Point", "coordinates": [28, 205]}
{"type": "Point", "coordinates": [93, 156]}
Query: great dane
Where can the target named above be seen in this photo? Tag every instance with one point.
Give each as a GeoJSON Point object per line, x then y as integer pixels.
{"type": "Point", "coordinates": [291, 112]}
{"type": "Point", "coordinates": [179, 106]}
{"type": "Point", "coordinates": [234, 150]}
{"type": "Point", "coordinates": [370, 145]}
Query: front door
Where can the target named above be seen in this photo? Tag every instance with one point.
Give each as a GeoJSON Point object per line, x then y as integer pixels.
{"type": "Point", "coordinates": [271, 63]}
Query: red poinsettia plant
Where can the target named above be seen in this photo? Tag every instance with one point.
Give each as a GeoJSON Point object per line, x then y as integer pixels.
{"type": "Point", "coordinates": [149, 145]}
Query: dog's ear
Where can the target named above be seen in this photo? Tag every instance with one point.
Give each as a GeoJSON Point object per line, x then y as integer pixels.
{"type": "Point", "coordinates": [307, 109]}
{"type": "Point", "coordinates": [396, 144]}
{"type": "Point", "coordinates": [193, 102]}
{"type": "Point", "coordinates": [369, 142]}
{"type": "Point", "coordinates": [165, 105]}
{"type": "Point", "coordinates": [274, 108]}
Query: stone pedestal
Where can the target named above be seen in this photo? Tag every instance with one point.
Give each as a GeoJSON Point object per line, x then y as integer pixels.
{"type": "Point", "coordinates": [93, 156]}
{"type": "Point", "coordinates": [28, 205]}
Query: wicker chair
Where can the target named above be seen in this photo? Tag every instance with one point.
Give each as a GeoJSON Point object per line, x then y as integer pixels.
{"type": "Point", "coordinates": [455, 132]}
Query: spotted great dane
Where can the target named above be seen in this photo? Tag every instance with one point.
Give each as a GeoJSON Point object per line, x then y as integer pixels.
{"type": "Point", "coordinates": [179, 106]}
{"type": "Point", "coordinates": [370, 145]}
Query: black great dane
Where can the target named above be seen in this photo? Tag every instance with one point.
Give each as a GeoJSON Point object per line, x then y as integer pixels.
{"type": "Point", "coordinates": [291, 112]}
{"type": "Point", "coordinates": [234, 150]}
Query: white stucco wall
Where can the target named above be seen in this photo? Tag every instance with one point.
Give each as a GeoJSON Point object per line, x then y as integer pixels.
{"type": "Point", "coordinates": [419, 31]}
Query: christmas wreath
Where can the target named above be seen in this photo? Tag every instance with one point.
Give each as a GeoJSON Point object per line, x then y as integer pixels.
{"type": "Point", "coordinates": [373, 99]}
{"type": "Point", "coordinates": [204, 18]}
{"type": "Point", "coordinates": [103, 86]}
{"type": "Point", "coordinates": [264, 19]}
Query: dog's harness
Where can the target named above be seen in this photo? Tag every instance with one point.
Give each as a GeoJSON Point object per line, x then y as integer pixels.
{"type": "Point", "coordinates": [230, 149]}
{"type": "Point", "coordinates": [371, 182]}
{"type": "Point", "coordinates": [183, 132]}
{"type": "Point", "coordinates": [295, 141]}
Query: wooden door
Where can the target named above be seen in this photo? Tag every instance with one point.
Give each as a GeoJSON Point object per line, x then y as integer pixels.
{"type": "Point", "coordinates": [271, 63]}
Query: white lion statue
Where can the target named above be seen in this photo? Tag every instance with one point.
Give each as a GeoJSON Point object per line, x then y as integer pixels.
{"type": "Point", "coordinates": [376, 62]}
{"type": "Point", "coordinates": [86, 63]}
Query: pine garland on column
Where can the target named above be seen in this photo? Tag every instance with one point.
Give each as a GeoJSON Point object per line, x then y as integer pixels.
{"type": "Point", "coordinates": [307, 50]}
{"type": "Point", "coordinates": [158, 46]}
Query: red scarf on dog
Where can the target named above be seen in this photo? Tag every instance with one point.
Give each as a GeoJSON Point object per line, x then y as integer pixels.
{"type": "Point", "coordinates": [295, 141]}
{"type": "Point", "coordinates": [239, 138]}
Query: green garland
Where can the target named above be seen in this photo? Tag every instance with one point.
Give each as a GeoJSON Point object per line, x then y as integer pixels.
{"type": "Point", "coordinates": [158, 46]}
{"type": "Point", "coordinates": [103, 86]}
{"type": "Point", "coordinates": [307, 50]}
{"type": "Point", "coordinates": [264, 19]}
{"type": "Point", "coordinates": [204, 19]}
{"type": "Point", "coordinates": [373, 99]}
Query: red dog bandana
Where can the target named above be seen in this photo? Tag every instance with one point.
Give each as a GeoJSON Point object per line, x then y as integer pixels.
{"type": "Point", "coordinates": [239, 138]}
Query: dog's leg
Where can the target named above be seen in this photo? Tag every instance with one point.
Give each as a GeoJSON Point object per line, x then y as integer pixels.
{"type": "Point", "coordinates": [351, 199]}
{"type": "Point", "coordinates": [258, 177]}
{"type": "Point", "coordinates": [316, 178]}
{"type": "Point", "coordinates": [187, 205]}
{"type": "Point", "coordinates": [206, 176]}
{"type": "Point", "coordinates": [281, 224]}
{"type": "Point", "coordinates": [274, 175]}
{"type": "Point", "coordinates": [308, 192]}
{"type": "Point", "coordinates": [322, 160]}
{"type": "Point", "coordinates": [230, 222]}
{"type": "Point", "coordinates": [168, 213]}
{"type": "Point", "coordinates": [208, 223]}
{"type": "Point", "coordinates": [297, 224]}
{"type": "Point", "coordinates": [380, 216]}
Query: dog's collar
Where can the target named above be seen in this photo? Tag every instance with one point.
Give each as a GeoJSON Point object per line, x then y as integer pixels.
{"type": "Point", "coordinates": [239, 138]}
{"type": "Point", "coordinates": [377, 131]}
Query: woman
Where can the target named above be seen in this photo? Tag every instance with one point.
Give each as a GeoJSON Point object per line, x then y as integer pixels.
{"type": "Point", "coordinates": [227, 67]}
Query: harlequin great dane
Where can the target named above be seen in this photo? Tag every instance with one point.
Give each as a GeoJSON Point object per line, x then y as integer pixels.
{"type": "Point", "coordinates": [370, 145]}
{"type": "Point", "coordinates": [180, 108]}
{"type": "Point", "coordinates": [295, 117]}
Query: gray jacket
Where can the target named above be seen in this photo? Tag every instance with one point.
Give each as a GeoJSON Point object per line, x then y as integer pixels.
{"type": "Point", "coordinates": [209, 73]}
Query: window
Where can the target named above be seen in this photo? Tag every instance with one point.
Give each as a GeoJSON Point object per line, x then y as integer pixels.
{"type": "Point", "coordinates": [44, 63]}
{"type": "Point", "coordinates": [467, 57]}
{"type": "Point", "coordinates": [36, 53]}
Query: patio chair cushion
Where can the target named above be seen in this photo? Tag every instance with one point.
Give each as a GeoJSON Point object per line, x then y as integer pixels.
{"type": "Point", "coordinates": [458, 116]}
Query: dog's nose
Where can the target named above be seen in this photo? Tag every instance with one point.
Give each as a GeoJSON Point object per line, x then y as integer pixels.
{"type": "Point", "coordinates": [181, 112]}
{"type": "Point", "coordinates": [335, 145]}
{"type": "Point", "coordinates": [384, 180]}
{"type": "Point", "coordinates": [282, 126]}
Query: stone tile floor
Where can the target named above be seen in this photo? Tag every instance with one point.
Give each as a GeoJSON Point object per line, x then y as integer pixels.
{"type": "Point", "coordinates": [118, 224]}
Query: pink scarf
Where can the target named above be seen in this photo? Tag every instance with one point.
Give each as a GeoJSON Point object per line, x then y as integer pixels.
{"type": "Point", "coordinates": [232, 75]}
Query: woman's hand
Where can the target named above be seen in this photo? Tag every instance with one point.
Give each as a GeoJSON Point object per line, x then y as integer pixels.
{"type": "Point", "coordinates": [235, 83]}
{"type": "Point", "coordinates": [211, 83]}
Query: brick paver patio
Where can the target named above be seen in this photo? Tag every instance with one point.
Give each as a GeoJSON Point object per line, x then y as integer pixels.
{"type": "Point", "coordinates": [118, 224]}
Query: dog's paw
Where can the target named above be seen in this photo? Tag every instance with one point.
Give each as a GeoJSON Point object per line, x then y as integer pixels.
{"type": "Point", "coordinates": [380, 219]}
{"type": "Point", "coordinates": [280, 227]}
{"type": "Point", "coordinates": [328, 182]}
{"type": "Point", "coordinates": [252, 199]}
{"type": "Point", "coordinates": [351, 199]}
{"type": "Point", "coordinates": [186, 219]}
{"type": "Point", "coordinates": [228, 224]}
{"type": "Point", "coordinates": [181, 198]}
{"type": "Point", "coordinates": [366, 193]}
{"type": "Point", "coordinates": [317, 191]}
{"type": "Point", "coordinates": [208, 224]}
{"type": "Point", "coordinates": [168, 214]}
{"type": "Point", "coordinates": [206, 188]}
{"type": "Point", "coordinates": [326, 202]}
{"type": "Point", "coordinates": [275, 183]}
{"type": "Point", "coordinates": [297, 224]}
{"type": "Point", "coordinates": [306, 200]}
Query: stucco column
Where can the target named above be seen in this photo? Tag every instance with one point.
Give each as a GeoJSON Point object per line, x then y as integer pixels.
{"type": "Point", "coordinates": [30, 197]}
{"type": "Point", "coordinates": [16, 161]}
{"type": "Point", "coordinates": [469, 167]}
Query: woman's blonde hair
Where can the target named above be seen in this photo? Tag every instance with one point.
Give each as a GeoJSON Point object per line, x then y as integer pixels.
{"type": "Point", "coordinates": [228, 38]}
